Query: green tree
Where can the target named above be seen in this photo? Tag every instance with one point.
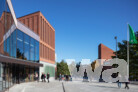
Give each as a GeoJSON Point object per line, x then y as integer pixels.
{"type": "Point", "coordinates": [62, 68]}
{"type": "Point", "coordinates": [133, 57]}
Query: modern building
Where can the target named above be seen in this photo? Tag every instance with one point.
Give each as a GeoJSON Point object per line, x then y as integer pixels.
{"type": "Point", "coordinates": [39, 24]}
{"type": "Point", "coordinates": [27, 46]}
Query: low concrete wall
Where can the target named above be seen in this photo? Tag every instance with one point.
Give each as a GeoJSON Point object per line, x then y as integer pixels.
{"type": "Point", "coordinates": [134, 82]}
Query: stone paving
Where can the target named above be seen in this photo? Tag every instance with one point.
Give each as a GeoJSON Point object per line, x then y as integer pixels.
{"type": "Point", "coordinates": [37, 87]}
{"type": "Point", "coordinates": [97, 87]}
{"type": "Point", "coordinates": [75, 86]}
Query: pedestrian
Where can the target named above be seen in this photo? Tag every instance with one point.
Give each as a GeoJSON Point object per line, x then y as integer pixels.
{"type": "Point", "coordinates": [126, 83]}
{"type": "Point", "coordinates": [119, 83]}
{"type": "Point", "coordinates": [48, 76]}
{"type": "Point", "coordinates": [36, 77]}
{"type": "Point", "coordinates": [42, 77]}
{"type": "Point", "coordinates": [70, 78]}
{"type": "Point", "coordinates": [67, 77]}
{"type": "Point", "coordinates": [60, 77]}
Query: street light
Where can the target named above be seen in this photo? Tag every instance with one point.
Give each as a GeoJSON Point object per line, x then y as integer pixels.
{"type": "Point", "coordinates": [116, 45]}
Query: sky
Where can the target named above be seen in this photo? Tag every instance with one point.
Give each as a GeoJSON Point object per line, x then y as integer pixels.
{"type": "Point", "coordinates": [81, 25]}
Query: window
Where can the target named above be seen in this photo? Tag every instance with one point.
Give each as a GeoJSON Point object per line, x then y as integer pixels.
{"type": "Point", "coordinates": [19, 52]}
{"type": "Point", "coordinates": [19, 39]}
{"type": "Point", "coordinates": [8, 45]}
{"type": "Point", "coordinates": [13, 44]}
{"type": "Point", "coordinates": [26, 47]}
{"type": "Point", "coordinates": [32, 52]}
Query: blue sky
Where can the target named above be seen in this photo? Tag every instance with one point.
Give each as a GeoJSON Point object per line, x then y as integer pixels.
{"type": "Point", "coordinates": [81, 25]}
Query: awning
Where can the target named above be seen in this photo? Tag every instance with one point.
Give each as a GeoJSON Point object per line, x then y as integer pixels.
{"type": "Point", "coordinates": [6, 59]}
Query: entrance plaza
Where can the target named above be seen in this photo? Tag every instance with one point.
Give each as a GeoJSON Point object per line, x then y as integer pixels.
{"type": "Point", "coordinates": [74, 86]}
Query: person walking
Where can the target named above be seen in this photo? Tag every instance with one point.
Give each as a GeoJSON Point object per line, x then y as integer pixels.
{"type": "Point", "coordinates": [48, 76]}
{"type": "Point", "coordinates": [67, 77]}
{"type": "Point", "coordinates": [126, 83]}
{"type": "Point", "coordinates": [119, 83]}
{"type": "Point", "coordinates": [37, 77]}
{"type": "Point", "coordinates": [42, 77]}
{"type": "Point", "coordinates": [60, 77]}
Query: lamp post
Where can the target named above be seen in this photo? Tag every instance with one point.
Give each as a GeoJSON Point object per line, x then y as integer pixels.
{"type": "Point", "coordinates": [116, 45]}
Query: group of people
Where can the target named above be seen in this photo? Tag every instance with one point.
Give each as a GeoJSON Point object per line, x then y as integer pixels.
{"type": "Point", "coordinates": [126, 83]}
{"type": "Point", "coordinates": [65, 77]}
{"type": "Point", "coordinates": [44, 77]}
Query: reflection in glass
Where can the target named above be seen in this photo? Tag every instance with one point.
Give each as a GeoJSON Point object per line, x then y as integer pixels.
{"type": "Point", "coordinates": [20, 54]}
{"type": "Point", "coordinates": [6, 21]}
{"type": "Point", "coordinates": [32, 57]}
{"type": "Point", "coordinates": [8, 45]}
{"type": "Point", "coordinates": [26, 47]}
{"type": "Point", "coordinates": [13, 44]}
{"type": "Point", "coordinates": [19, 39]}
{"type": "Point", "coordinates": [20, 45]}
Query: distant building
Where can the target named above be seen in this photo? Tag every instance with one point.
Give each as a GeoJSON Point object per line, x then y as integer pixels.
{"type": "Point", "coordinates": [104, 52]}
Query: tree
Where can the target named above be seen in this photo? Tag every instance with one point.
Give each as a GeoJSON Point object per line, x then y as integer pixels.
{"type": "Point", "coordinates": [62, 68]}
{"type": "Point", "coordinates": [133, 56]}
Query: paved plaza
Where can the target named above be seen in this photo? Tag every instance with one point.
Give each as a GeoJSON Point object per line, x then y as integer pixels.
{"type": "Point", "coordinates": [75, 86]}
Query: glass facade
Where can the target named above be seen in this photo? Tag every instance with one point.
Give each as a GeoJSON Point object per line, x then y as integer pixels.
{"type": "Point", "coordinates": [20, 45]}
{"type": "Point", "coordinates": [10, 44]}
{"type": "Point", "coordinates": [50, 70]}
{"type": "Point", "coordinates": [26, 47]}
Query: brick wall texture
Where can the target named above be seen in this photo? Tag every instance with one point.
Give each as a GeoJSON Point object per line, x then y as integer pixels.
{"type": "Point", "coordinates": [104, 52]}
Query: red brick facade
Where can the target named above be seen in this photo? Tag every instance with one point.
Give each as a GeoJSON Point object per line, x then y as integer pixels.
{"type": "Point", "coordinates": [38, 23]}
{"type": "Point", "coordinates": [104, 52]}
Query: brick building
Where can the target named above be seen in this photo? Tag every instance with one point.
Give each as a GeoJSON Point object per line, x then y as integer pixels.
{"type": "Point", "coordinates": [39, 24]}
{"type": "Point", "coordinates": [104, 52]}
